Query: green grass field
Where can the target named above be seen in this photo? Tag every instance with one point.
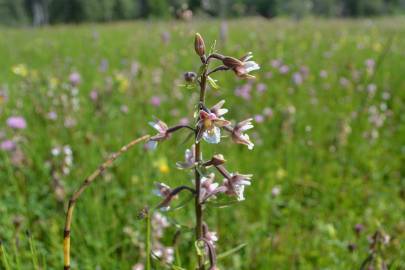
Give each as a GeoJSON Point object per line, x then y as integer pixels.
{"type": "Point", "coordinates": [329, 106]}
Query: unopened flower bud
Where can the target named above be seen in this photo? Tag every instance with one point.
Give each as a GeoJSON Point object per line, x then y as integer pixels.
{"type": "Point", "coordinates": [232, 62]}
{"type": "Point", "coordinates": [199, 45]}
{"type": "Point", "coordinates": [216, 160]}
{"type": "Point", "coordinates": [190, 76]}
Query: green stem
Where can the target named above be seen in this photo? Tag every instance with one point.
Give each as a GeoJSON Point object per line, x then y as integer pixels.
{"type": "Point", "coordinates": [148, 241]}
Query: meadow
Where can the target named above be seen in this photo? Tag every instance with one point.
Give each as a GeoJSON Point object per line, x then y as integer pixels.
{"type": "Point", "coordinates": [328, 163]}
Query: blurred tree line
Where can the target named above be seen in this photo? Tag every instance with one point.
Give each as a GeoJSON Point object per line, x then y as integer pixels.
{"type": "Point", "coordinates": [39, 12]}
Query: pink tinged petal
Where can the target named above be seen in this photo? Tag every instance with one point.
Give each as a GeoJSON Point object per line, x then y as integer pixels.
{"type": "Point", "coordinates": [218, 110]}
{"type": "Point", "coordinates": [204, 115]}
{"type": "Point", "coordinates": [213, 135]}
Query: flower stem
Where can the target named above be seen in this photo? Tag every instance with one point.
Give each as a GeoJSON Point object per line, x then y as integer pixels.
{"type": "Point", "coordinates": [198, 205]}
{"type": "Point", "coordinates": [148, 241]}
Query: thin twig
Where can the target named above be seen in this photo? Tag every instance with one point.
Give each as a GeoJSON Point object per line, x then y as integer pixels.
{"type": "Point", "coordinates": [220, 68]}
{"type": "Point", "coordinates": [85, 184]}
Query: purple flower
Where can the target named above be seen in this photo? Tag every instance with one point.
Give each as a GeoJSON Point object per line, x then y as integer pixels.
{"type": "Point", "coordinates": [259, 118]}
{"type": "Point", "coordinates": [155, 101]}
{"type": "Point", "coordinates": [371, 88]}
{"type": "Point", "coordinates": [103, 65]}
{"type": "Point", "coordinates": [323, 74]}
{"type": "Point", "coordinates": [244, 91]}
{"type": "Point", "coordinates": [74, 78]}
{"type": "Point", "coordinates": [184, 121]}
{"type": "Point", "coordinates": [94, 95]}
{"type": "Point", "coordinates": [52, 115]}
{"type": "Point", "coordinates": [284, 69]}
{"type": "Point", "coordinates": [297, 78]}
{"type": "Point", "coordinates": [268, 112]}
{"type": "Point", "coordinates": [17, 122]}
{"type": "Point", "coordinates": [370, 64]}
{"type": "Point", "coordinates": [239, 137]}
{"type": "Point", "coordinates": [7, 145]}
{"type": "Point", "coordinates": [261, 87]}
{"type": "Point", "coordinates": [276, 63]}
{"type": "Point", "coordinates": [235, 185]}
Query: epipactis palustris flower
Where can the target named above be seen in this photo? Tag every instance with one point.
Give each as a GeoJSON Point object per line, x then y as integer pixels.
{"type": "Point", "coordinates": [189, 159]}
{"type": "Point", "coordinates": [209, 127]}
{"type": "Point", "coordinates": [208, 186]}
{"type": "Point", "coordinates": [162, 190]}
{"type": "Point", "coordinates": [235, 185]}
{"type": "Point", "coordinates": [243, 66]}
{"type": "Point", "coordinates": [161, 128]}
{"type": "Point", "coordinates": [238, 135]}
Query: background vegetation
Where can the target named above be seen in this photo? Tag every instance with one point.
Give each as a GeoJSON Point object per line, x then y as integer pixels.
{"type": "Point", "coordinates": [38, 12]}
{"type": "Point", "coordinates": [328, 166]}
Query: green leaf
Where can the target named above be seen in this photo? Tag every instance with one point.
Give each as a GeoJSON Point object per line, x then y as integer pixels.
{"type": "Point", "coordinates": [175, 267]}
{"type": "Point", "coordinates": [223, 204]}
{"type": "Point", "coordinates": [188, 86]}
{"type": "Point", "coordinates": [231, 251]}
{"type": "Point", "coordinates": [199, 247]}
{"type": "Point", "coordinates": [212, 49]}
{"type": "Point", "coordinates": [213, 82]}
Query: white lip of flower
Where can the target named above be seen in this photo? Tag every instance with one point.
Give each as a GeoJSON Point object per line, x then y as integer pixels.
{"type": "Point", "coordinates": [209, 127]}
{"type": "Point", "coordinates": [249, 143]}
{"type": "Point", "coordinates": [239, 190]}
{"type": "Point", "coordinates": [212, 136]}
{"type": "Point", "coordinates": [250, 66]}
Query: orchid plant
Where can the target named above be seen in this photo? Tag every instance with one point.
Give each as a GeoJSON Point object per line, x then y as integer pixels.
{"type": "Point", "coordinates": [209, 124]}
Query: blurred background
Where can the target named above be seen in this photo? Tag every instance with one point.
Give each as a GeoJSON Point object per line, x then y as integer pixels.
{"type": "Point", "coordinates": [328, 106]}
{"type": "Point", "coordinates": [42, 12]}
